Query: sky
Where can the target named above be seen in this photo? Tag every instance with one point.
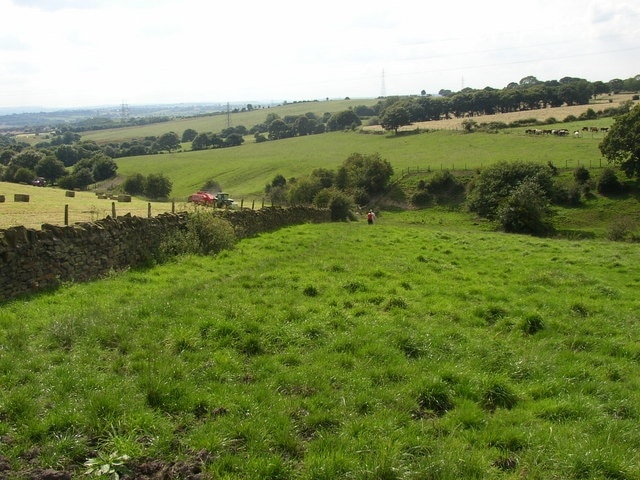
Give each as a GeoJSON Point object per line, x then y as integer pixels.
{"type": "Point", "coordinates": [77, 53]}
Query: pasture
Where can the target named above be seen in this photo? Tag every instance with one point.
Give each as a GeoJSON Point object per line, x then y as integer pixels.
{"type": "Point", "coordinates": [218, 121]}
{"type": "Point", "coordinates": [419, 347]}
{"type": "Point", "coordinates": [244, 171]}
{"type": "Point", "coordinates": [47, 205]}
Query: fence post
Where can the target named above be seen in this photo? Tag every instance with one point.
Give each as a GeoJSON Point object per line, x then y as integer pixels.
{"type": "Point", "coordinates": [262, 202]}
{"type": "Point", "coordinates": [173, 206]}
{"type": "Point", "coordinates": [149, 210]}
{"type": "Point", "coordinates": [241, 203]}
{"type": "Point", "coordinates": [66, 215]}
{"type": "Point", "coordinates": [113, 209]}
{"type": "Point", "coordinates": [253, 204]}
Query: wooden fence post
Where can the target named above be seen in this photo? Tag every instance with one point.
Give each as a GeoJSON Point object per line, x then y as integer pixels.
{"type": "Point", "coordinates": [253, 204]}
{"type": "Point", "coordinates": [66, 215]}
{"type": "Point", "coordinates": [173, 206]}
{"type": "Point", "coordinates": [149, 210]}
{"type": "Point", "coordinates": [113, 209]}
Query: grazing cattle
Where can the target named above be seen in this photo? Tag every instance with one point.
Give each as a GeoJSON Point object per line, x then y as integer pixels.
{"type": "Point", "coordinates": [604, 129]}
{"type": "Point", "coordinates": [594, 129]}
{"type": "Point", "coordinates": [576, 133]}
{"type": "Point", "coordinates": [585, 129]}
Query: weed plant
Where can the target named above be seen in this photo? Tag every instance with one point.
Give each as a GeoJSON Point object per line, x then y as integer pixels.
{"type": "Point", "coordinates": [420, 347]}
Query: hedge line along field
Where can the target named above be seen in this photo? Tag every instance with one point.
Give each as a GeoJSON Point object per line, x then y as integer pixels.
{"type": "Point", "coordinates": [245, 170]}
{"type": "Point", "coordinates": [420, 347]}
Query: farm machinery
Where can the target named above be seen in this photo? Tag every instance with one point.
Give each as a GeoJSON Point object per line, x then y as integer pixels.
{"type": "Point", "coordinates": [220, 200]}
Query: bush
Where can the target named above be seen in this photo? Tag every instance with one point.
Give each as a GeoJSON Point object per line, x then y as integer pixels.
{"type": "Point", "coordinates": [526, 210]}
{"type": "Point", "coordinates": [205, 234]}
{"type": "Point", "coordinates": [341, 207]}
{"type": "Point", "coordinates": [157, 185]}
{"type": "Point", "coordinates": [581, 175]}
{"type": "Point", "coordinates": [621, 229]}
{"type": "Point", "coordinates": [134, 185]}
{"type": "Point", "coordinates": [422, 198]}
{"type": "Point", "coordinates": [24, 175]}
{"type": "Point", "coordinates": [608, 182]}
{"type": "Point", "coordinates": [494, 185]}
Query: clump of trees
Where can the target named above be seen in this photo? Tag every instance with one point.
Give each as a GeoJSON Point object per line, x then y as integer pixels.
{"type": "Point", "coordinates": [68, 167]}
{"type": "Point", "coordinates": [357, 182]}
{"type": "Point", "coordinates": [154, 185]}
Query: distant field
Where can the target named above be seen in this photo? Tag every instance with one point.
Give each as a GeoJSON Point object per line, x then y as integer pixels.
{"type": "Point", "coordinates": [244, 171]}
{"type": "Point", "coordinates": [47, 205]}
{"type": "Point", "coordinates": [217, 122]}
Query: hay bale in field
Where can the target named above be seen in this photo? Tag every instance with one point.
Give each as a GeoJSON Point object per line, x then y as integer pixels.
{"type": "Point", "coordinates": [20, 197]}
{"type": "Point", "coordinates": [1, 198]}
{"type": "Point", "coordinates": [69, 193]}
{"type": "Point", "coordinates": [124, 198]}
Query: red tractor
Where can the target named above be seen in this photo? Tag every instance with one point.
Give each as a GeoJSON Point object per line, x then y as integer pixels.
{"type": "Point", "coordinates": [202, 198]}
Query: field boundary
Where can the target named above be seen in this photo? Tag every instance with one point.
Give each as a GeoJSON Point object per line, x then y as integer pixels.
{"type": "Point", "coordinates": [35, 260]}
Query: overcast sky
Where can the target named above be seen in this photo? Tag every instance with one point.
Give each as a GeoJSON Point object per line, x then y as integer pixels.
{"type": "Point", "coordinates": [70, 53]}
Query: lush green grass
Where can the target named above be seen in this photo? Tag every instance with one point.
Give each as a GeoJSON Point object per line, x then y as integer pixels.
{"type": "Point", "coordinates": [245, 170]}
{"type": "Point", "coordinates": [421, 347]}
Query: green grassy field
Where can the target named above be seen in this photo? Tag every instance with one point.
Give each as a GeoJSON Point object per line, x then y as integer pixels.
{"type": "Point", "coordinates": [423, 347]}
{"type": "Point", "coordinates": [244, 171]}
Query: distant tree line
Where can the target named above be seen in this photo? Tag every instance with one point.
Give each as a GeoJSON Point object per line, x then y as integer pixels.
{"type": "Point", "coordinates": [529, 94]}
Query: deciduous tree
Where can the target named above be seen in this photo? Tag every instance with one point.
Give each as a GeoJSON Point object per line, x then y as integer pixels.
{"type": "Point", "coordinates": [621, 146]}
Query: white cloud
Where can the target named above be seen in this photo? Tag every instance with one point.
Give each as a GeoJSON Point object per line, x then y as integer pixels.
{"type": "Point", "coordinates": [81, 52]}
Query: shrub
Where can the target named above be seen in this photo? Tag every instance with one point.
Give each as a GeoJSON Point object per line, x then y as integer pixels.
{"type": "Point", "coordinates": [422, 198]}
{"type": "Point", "coordinates": [526, 210]}
{"type": "Point", "coordinates": [494, 185]}
{"type": "Point", "coordinates": [608, 182]}
{"type": "Point", "coordinates": [24, 175]}
{"type": "Point", "coordinates": [134, 185]}
{"type": "Point", "coordinates": [621, 229]}
{"type": "Point", "coordinates": [205, 234]}
{"type": "Point", "coordinates": [341, 207]}
{"type": "Point", "coordinates": [581, 175]}
{"type": "Point", "coordinates": [157, 185]}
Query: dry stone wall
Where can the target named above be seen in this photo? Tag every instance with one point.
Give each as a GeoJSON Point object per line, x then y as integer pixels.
{"type": "Point", "coordinates": [33, 260]}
